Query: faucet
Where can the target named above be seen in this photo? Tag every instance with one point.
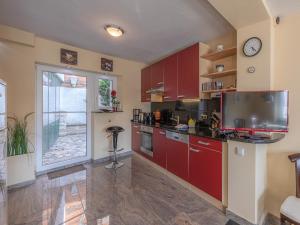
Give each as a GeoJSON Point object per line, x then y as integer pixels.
{"type": "Point", "coordinates": [176, 119]}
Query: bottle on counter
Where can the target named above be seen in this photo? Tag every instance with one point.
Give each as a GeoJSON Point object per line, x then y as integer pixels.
{"type": "Point", "coordinates": [157, 115]}
{"type": "Point", "coordinates": [192, 123]}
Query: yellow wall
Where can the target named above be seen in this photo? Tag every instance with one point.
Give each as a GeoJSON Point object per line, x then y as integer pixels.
{"type": "Point", "coordinates": [261, 79]}
{"type": "Point", "coordinates": [17, 68]}
{"type": "Point", "coordinates": [281, 177]}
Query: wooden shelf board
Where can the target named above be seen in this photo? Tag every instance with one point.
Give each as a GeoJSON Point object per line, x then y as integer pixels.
{"type": "Point", "coordinates": [220, 74]}
{"type": "Point", "coordinates": [220, 90]}
{"type": "Point", "coordinates": [219, 55]}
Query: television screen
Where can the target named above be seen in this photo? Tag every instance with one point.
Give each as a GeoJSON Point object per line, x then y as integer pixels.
{"type": "Point", "coordinates": [258, 111]}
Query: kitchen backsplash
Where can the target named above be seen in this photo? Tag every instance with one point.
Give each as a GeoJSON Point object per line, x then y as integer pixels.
{"type": "Point", "coordinates": [185, 110]}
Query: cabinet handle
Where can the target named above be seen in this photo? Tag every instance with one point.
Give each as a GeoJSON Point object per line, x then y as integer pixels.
{"type": "Point", "coordinates": [194, 150]}
{"type": "Point", "coordinates": [159, 83]}
{"type": "Point", "coordinates": [166, 97]}
{"type": "Point", "coordinates": [203, 143]}
{"type": "Point", "coordinates": [180, 96]}
{"type": "Point", "coordinates": [163, 133]}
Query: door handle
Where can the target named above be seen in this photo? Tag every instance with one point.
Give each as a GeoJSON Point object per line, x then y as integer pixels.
{"type": "Point", "coordinates": [166, 97]}
{"type": "Point", "coordinates": [180, 96]}
{"type": "Point", "coordinates": [203, 143]}
{"type": "Point", "coordinates": [194, 150]}
{"type": "Point", "coordinates": [163, 133]}
{"type": "Point", "coordinates": [138, 132]}
{"type": "Point", "coordinates": [159, 83]}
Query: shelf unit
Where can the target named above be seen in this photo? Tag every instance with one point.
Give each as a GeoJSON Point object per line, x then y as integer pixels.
{"type": "Point", "coordinates": [220, 74]}
{"type": "Point", "coordinates": [219, 90]}
{"type": "Point", "coordinates": [213, 56]}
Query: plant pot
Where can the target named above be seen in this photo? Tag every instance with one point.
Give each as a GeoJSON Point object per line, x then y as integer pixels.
{"type": "Point", "coordinates": [20, 169]}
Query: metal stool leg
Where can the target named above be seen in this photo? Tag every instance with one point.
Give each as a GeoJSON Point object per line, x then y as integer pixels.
{"type": "Point", "coordinates": [114, 164]}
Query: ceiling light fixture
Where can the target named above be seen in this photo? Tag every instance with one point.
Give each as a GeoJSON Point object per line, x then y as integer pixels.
{"type": "Point", "coordinates": [114, 30]}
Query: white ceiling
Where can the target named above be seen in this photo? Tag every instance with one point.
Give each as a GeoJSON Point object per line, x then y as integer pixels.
{"type": "Point", "coordinates": [283, 7]}
{"type": "Point", "coordinates": [153, 28]}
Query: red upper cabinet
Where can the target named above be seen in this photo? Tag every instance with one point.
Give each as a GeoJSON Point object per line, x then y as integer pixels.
{"type": "Point", "coordinates": [170, 75]}
{"type": "Point", "coordinates": [157, 74]}
{"type": "Point", "coordinates": [145, 84]}
{"type": "Point", "coordinates": [160, 147]}
{"type": "Point", "coordinates": [188, 72]}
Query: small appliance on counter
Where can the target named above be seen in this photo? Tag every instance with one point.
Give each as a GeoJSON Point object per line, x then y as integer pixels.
{"type": "Point", "coordinates": [141, 117]}
{"type": "Point", "coordinates": [149, 119]}
{"type": "Point", "coordinates": [136, 115]}
{"type": "Point", "coordinates": [157, 115]}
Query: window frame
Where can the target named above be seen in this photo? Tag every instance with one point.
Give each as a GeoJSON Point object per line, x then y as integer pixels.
{"type": "Point", "coordinates": [114, 87]}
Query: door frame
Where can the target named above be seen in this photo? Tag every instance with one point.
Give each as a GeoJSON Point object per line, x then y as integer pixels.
{"type": "Point", "coordinates": [39, 117]}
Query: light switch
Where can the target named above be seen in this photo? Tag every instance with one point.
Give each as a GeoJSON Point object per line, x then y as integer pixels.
{"type": "Point", "coordinates": [240, 151]}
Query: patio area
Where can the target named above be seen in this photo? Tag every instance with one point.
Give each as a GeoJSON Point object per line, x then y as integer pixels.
{"type": "Point", "coordinates": [70, 144]}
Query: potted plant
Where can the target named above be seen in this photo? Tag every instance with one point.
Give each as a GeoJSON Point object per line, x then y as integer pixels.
{"type": "Point", "coordinates": [19, 149]}
{"type": "Point", "coordinates": [115, 102]}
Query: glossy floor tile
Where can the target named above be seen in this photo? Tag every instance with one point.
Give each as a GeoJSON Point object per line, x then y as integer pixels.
{"type": "Point", "coordinates": [135, 194]}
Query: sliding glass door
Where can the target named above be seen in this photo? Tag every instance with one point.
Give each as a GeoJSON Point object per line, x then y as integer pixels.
{"type": "Point", "coordinates": [63, 118]}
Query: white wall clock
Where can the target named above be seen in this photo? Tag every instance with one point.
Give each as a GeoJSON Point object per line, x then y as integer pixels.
{"type": "Point", "coordinates": [252, 46]}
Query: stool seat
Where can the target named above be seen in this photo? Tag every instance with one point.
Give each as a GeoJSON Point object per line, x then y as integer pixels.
{"type": "Point", "coordinates": [114, 129]}
{"type": "Point", "coordinates": [291, 208]}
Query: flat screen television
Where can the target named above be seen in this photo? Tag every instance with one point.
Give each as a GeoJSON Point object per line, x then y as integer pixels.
{"type": "Point", "coordinates": [265, 111]}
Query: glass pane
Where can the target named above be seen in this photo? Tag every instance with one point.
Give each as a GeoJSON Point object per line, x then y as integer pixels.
{"type": "Point", "coordinates": [2, 99]}
{"type": "Point", "coordinates": [104, 90]}
{"type": "Point", "coordinates": [64, 117]}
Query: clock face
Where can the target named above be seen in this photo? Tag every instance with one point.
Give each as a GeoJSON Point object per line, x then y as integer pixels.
{"type": "Point", "coordinates": [252, 46]}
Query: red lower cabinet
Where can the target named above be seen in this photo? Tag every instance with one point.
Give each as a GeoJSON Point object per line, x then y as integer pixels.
{"type": "Point", "coordinates": [160, 147]}
{"type": "Point", "coordinates": [177, 159]}
{"type": "Point", "coordinates": [135, 138]}
{"type": "Point", "coordinates": [205, 170]}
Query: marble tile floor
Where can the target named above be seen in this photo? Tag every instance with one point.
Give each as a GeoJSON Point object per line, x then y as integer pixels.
{"type": "Point", "coordinates": [136, 194]}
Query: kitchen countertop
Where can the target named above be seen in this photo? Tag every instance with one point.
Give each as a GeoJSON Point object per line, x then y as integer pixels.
{"type": "Point", "coordinates": [205, 132]}
{"type": "Point", "coordinates": [272, 139]}
{"type": "Point", "coordinates": [191, 131]}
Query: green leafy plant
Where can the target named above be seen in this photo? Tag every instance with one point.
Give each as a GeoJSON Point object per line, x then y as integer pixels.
{"type": "Point", "coordinates": [104, 91]}
{"type": "Point", "coordinates": [17, 137]}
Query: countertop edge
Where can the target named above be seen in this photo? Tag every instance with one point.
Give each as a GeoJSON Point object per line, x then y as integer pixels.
{"type": "Point", "coordinates": [244, 140]}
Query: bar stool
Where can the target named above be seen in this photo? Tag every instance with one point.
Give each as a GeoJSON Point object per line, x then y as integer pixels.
{"type": "Point", "coordinates": [114, 132]}
{"type": "Point", "coordinates": [290, 209]}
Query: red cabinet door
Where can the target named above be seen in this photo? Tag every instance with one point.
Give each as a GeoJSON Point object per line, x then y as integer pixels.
{"type": "Point", "coordinates": [197, 167]}
{"type": "Point", "coordinates": [215, 172]}
{"type": "Point", "coordinates": [135, 138]}
{"type": "Point", "coordinates": [188, 72]}
{"type": "Point", "coordinates": [145, 84]}
{"type": "Point", "coordinates": [160, 147]}
{"type": "Point", "coordinates": [157, 74]}
{"type": "Point", "coordinates": [205, 170]}
{"type": "Point", "coordinates": [170, 78]}
{"type": "Point", "coordinates": [177, 158]}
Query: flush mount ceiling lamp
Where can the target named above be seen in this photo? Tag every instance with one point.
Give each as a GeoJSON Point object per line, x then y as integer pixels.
{"type": "Point", "coordinates": [113, 30]}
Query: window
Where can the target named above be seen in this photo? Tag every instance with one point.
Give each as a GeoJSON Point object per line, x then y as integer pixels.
{"type": "Point", "coordinates": [105, 85]}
